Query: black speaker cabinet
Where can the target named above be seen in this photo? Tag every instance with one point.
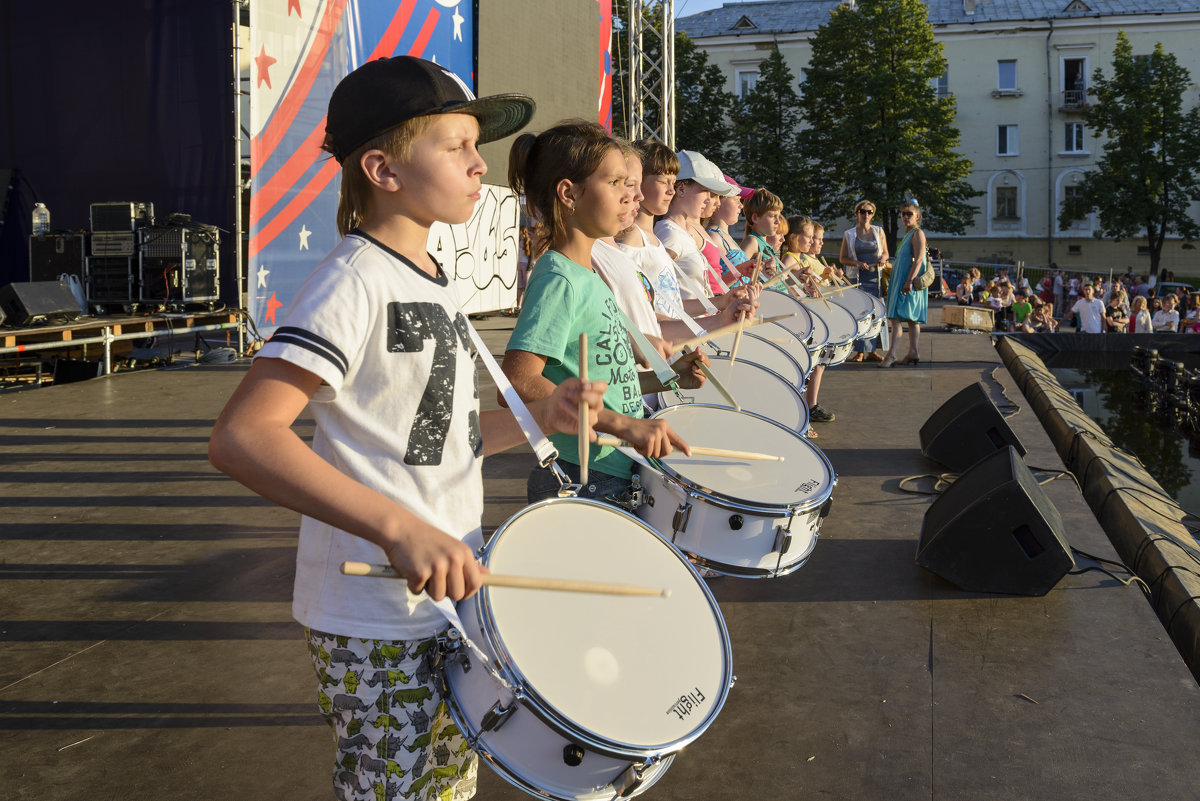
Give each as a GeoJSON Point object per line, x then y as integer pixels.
{"type": "Point", "coordinates": [965, 429]}
{"type": "Point", "coordinates": [994, 530]}
{"type": "Point", "coordinates": [35, 302]}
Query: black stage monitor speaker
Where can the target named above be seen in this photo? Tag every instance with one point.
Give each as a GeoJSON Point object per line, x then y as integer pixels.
{"type": "Point", "coordinates": [34, 302]}
{"type": "Point", "coordinates": [965, 429]}
{"type": "Point", "coordinates": [994, 530]}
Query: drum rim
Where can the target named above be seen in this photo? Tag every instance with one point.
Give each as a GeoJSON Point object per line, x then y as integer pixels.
{"type": "Point", "coordinates": [800, 340]}
{"type": "Point", "coordinates": [765, 341]}
{"type": "Point", "coordinates": [733, 503]}
{"type": "Point", "coordinates": [527, 694]}
{"type": "Point", "coordinates": [783, 379]}
{"type": "Point", "coordinates": [841, 297]}
{"type": "Point", "coordinates": [813, 344]}
{"type": "Point", "coordinates": [800, 311]}
{"type": "Point", "coordinates": [780, 570]}
{"type": "Point", "coordinates": [829, 339]}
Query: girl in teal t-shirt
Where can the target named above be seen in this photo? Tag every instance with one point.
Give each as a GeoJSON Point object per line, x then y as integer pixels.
{"type": "Point", "coordinates": [574, 179]}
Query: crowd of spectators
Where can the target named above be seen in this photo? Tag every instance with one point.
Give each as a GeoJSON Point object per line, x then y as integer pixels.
{"type": "Point", "coordinates": [1088, 304]}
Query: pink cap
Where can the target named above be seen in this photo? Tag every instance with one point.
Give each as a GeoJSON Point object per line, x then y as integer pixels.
{"type": "Point", "coordinates": [742, 191]}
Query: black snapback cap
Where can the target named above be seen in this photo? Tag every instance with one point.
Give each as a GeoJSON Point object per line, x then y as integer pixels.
{"type": "Point", "coordinates": [384, 93]}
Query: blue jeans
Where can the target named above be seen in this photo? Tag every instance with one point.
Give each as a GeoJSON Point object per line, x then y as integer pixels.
{"type": "Point", "coordinates": [542, 484]}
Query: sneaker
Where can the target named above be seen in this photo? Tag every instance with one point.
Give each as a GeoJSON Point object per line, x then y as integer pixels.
{"type": "Point", "coordinates": [819, 414]}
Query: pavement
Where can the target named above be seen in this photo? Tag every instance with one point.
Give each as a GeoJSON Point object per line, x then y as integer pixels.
{"type": "Point", "coordinates": [149, 650]}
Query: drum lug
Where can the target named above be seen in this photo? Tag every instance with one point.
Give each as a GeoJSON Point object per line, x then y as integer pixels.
{"type": "Point", "coordinates": [631, 778]}
{"type": "Point", "coordinates": [783, 537]}
{"type": "Point", "coordinates": [497, 716]}
{"type": "Point", "coordinates": [680, 520]}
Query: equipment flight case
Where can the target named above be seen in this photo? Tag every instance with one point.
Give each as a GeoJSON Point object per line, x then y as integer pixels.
{"type": "Point", "coordinates": [178, 265]}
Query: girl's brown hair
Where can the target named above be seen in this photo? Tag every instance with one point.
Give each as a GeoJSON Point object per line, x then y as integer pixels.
{"type": "Point", "coordinates": [571, 150]}
{"type": "Point", "coordinates": [761, 202]}
{"type": "Point", "coordinates": [657, 158]}
{"type": "Point", "coordinates": [354, 198]}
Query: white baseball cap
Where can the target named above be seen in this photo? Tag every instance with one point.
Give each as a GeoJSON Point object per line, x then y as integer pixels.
{"type": "Point", "coordinates": [694, 167]}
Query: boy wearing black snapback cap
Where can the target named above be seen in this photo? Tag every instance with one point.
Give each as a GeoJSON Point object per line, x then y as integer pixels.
{"type": "Point", "coordinates": [376, 346]}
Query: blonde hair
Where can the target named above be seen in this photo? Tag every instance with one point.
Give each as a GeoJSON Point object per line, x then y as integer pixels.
{"type": "Point", "coordinates": [916, 212]}
{"type": "Point", "coordinates": [863, 203]}
{"type": "Point", "coordinates": [354, 197]}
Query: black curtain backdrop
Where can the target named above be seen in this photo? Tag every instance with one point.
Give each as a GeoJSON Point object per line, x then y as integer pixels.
{"type": "Point", "coordinates": [113, 101]}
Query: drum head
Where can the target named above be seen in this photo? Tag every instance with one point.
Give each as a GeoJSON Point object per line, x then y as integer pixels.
{"type": "Point", "coordinates": [772, 303]}
{"type": "Point", "coordinates": [647, 672]}
{"type": "Point", "coordinates": [804, 478]}
{"type": "Point", "coordinates": [756, 348]}
{"type": "Point", "coordinates": [841, 323]}
{"type": "Point", "coordinates": [855, 301]}
{"type": "Point", "coordinates": [793, 344]}
{"type": "Point", "coordinates": [820, 333]}
{"type": "Point", "coordinates": [757, 390]}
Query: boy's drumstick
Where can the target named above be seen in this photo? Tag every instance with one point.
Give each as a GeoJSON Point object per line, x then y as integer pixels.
{"type": "Point", "coordinates": [700, 450]}
{"type": "Point", "coordinates": [584, 439]}
{"type": "Point", "coordinates": [717, 385]}
{"type": "Point", "coordinates": [521, 582]}
{"type": "Point", "coordinates": [717, 333]}
{"type": "Point", "coordinates": [737, 338]}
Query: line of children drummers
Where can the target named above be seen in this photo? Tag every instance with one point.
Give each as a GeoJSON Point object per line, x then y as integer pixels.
{"type": "Point", "coordinates": [669, 262]}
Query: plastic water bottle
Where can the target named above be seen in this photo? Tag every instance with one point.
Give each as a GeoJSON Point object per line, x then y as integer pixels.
{"type": "Point", "coordinates": [41, 219]}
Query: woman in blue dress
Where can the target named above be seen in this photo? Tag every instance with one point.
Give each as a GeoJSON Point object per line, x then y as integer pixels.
{"type": "Point", "coordinates": [905, 304]}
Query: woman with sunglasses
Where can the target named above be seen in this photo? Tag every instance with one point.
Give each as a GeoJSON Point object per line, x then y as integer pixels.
{"type": "Point", "coordinates": [905, 304]}
{"type": "Point", "coordinates": [864, 251]}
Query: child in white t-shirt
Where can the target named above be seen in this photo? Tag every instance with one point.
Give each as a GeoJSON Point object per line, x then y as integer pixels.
{"type": "Point", "coordinates": [376, 346]}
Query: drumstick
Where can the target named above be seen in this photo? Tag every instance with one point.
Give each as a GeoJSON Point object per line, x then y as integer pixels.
{"type": "Point", "coordinates": [700, 450]}
{"type": "Point", "coordinates": [717, 333]}
{"type": "Point", "coordinates": [584, 439]}
{"type": "Point", "coordinates": [778, 277]}
{"type": "Point", "coordinates": [717, 385]}
{"type": "Point", "coordinates": [520, 582]}
{"type": "Point", "coordinates": [737, 338]}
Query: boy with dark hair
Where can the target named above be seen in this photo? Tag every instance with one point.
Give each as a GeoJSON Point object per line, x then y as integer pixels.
{"type": "Point", "coordinates": [376, 346]}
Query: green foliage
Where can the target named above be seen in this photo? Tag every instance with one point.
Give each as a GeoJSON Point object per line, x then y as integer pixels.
{"type": "Point", "coordinates": [876, 129]}
{"type": "Point", "coordinates": [765, 125]}
{"type": "Point", "coordinates": [1147, 175]}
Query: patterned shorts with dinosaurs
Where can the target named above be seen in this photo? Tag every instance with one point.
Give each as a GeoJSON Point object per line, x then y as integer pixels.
{"type": "Point", "coordinates": [393, 731]}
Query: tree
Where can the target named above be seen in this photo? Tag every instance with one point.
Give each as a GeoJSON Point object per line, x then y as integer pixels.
{"type": "Point", "coordinates": [876, 129]}
{"type": "Point", "coordinates": [702, 106]}
{"type": "Point", "coordinates": [1147, 175]}
{"type": "Point", "coordinates": [765, 126]}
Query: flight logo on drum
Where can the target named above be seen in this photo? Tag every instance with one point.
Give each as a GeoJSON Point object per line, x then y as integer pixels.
{"type": "Point", "coordinates": [808, 486]}
{"type": "Point", "coordinates": [686, 703]}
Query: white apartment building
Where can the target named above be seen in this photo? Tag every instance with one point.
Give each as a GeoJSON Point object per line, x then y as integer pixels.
{"type": "Point", "coordinates": [1019, 72]}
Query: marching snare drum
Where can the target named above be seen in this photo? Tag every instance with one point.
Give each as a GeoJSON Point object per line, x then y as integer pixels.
{"type": "Point", "coordinates": [819, 338]}
{"type": "Point", "coordinates": [758, 390]}
{"type": "Point", "coordinates": [755, 519]}
{"type": "Point", "coordinates": [771, 303]}
{"type": "Point", "coordinates": [586, 697]}
{"type": "Point", "coordinates": [755, 347]}
{"type": "Point", "coordinates": [790, 342]}
{"type": "Point", "coordinates": [859, 304]}
{"type": "Point", "coordinates": [843, 330]}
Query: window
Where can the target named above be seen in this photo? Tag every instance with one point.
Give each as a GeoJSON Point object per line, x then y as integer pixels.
{"type": "Point", "coordinates": [941, 84]}
{"type": "Point", "coordinates": [1070, 193]}
{"type": "Point", "coordinates": [746, 79]}
{"type": "Point", "coordinates": [1074, 83]}
{"type": "Point", "coordinates": [1007, 140]}
{"type": "Point", "coordinates": [1006, 203]}
{"type": "Point", "coordinates": [1006, 76]}
{"type": "Point", "coordinates": [1073, 143]}
{"type": "Point", "coordinates": [1074, 250]}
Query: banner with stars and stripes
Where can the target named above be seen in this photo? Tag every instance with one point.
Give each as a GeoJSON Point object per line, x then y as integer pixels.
{"type": "Point", "coordinates": [300, 49]}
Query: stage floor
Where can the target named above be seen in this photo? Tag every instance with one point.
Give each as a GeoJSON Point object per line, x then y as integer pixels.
{"type": "Point", "coordinates": [150, 651]}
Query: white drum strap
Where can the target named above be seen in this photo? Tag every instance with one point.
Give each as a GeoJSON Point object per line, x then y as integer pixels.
{"type": "Point", "coordinates": [542, 447]}
{"type": "Point", "coordinates": [696, 289]}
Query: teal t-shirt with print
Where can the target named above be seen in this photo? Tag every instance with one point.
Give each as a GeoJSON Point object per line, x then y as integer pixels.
{"type": "Point", "coordinates": [563, 300]}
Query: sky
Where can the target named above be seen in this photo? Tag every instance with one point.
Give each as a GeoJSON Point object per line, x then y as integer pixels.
{"type": "Point", "coordinates": [686, 7]}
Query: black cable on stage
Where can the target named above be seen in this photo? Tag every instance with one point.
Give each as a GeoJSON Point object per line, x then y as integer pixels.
{"type": "Point", "coordinates": [1133, 579]}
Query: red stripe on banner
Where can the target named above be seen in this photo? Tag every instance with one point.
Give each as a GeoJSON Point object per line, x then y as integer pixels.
{"type": "Point", "coordinates": [426, 33]}
{"type": "Point", "coordinates": [299, 203]}
{"type": "Point", "coordinates": [308, 152]}
{"type": "Point", "coordinates": [264, 145]}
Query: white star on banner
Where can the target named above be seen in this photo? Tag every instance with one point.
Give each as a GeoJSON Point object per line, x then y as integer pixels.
{"type": "Point", "coordinates": [304, 235]}
{"type": "Point", "coordinates": [263, 272]}
{"type": "Point", "coordinates": [458, 21]}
